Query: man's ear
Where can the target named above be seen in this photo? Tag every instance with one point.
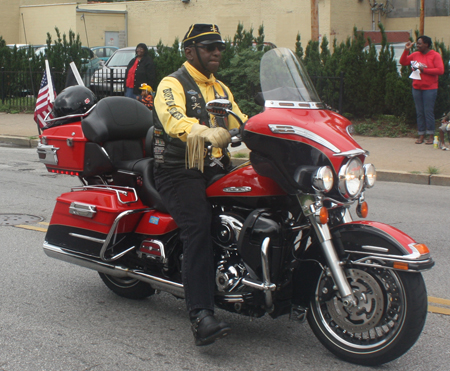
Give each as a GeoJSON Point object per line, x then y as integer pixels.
{"type": "Point", "coordinates": [189, 53]}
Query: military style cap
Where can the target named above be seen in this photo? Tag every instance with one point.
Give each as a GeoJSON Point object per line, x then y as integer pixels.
{"type": "Point", "coordinates": [202, 33]}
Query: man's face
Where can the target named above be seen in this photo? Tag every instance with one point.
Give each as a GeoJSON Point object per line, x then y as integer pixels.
{"type": "Point", "coordinates": [209, 54]}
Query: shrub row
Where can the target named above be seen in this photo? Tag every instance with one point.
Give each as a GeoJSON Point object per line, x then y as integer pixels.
{"type": "Point", "coordinates": [373, 85]}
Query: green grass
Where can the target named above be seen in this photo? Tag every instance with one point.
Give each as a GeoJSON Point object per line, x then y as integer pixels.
{"type": "Point", "coordinates": [432, 170]}
{"type": "Point", "coordinates": [383, 126]}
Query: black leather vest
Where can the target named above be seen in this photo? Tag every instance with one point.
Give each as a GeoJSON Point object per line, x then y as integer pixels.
{"type": "Point", "coordinates": [171, 152]}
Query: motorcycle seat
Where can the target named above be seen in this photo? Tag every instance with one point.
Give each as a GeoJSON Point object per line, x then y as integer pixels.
{"type": "Point", "coordinates": [127, 174]}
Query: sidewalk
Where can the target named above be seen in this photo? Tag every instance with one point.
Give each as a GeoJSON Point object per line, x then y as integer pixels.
{"type": "Point", "coordinates": [396, 159]}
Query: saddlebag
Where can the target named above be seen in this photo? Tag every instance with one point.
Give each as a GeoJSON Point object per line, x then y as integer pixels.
{"type": "Point", "coordinates": [88, 216]}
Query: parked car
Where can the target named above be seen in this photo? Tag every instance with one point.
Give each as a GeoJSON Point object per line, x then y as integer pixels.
{"type": "Point", "coordinates": [89, 63]}
{"type": "Point", "coordinates": [104, 52]}
{"type": "Point", "coordinates": [114, 67]}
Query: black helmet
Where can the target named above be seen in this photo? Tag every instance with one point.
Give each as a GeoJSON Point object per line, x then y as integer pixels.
{"type": "Point", "coordinates": [73, 100]}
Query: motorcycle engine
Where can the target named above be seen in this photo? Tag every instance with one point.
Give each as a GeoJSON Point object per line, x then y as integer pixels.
{"type": "Point", "coordinates": [226, 228]}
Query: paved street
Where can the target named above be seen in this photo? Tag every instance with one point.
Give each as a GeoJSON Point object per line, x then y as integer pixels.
{"type": "Point", "coordinates": [56, 316]}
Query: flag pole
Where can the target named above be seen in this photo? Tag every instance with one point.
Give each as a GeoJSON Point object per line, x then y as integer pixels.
{"type": "Point", "coordinates": [76, 73]}
{"type": "Point", "coordinates": [51, 92]}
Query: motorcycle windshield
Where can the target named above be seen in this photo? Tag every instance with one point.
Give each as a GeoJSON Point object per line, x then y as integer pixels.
{"type": "Point", "coordinates": [283, 78]}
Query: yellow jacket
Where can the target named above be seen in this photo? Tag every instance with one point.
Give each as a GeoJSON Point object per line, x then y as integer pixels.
{"type": "Point", "coordinates": [170, 92]}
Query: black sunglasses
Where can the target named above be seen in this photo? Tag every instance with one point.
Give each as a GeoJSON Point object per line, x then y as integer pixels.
{"type": "Point", "coordinates": [211, 47]}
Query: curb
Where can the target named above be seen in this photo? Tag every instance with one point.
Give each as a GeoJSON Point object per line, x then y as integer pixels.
{"type": "Point", "coordinates": [19, 141]}
{"type": "Point", "coordinates": [382, 175]}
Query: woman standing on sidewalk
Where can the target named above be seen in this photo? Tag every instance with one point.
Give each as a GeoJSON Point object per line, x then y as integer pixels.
{"type": "Point", "coordinates": [429, 65]}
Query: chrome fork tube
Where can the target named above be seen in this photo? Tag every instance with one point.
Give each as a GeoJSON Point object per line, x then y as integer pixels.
{"type": "Point", "coordinates": [324, 236]}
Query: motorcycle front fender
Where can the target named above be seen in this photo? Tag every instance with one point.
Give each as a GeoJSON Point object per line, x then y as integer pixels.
{"type": "Point", "coordinates": [375, 244]}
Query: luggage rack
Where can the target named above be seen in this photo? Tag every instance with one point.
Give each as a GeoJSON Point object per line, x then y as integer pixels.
{"type": "Point", "coordinates": [118, 190]}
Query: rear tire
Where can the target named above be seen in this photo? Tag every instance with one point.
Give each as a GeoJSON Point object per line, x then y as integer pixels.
{"type": "Point", "coordinates": [127, 287]}
{"type": "Point", "coordinates": [388, 319]}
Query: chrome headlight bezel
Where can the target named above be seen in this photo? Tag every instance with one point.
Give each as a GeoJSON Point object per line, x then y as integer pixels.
{"type": "Point", "coordinates": [323, 179]}
{"type": "Point", "coordinates": [370, 175]}
{"type": "Point", "coordinates": [351, 178]}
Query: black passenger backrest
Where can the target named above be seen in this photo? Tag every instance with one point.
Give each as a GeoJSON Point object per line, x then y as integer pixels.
{"type": "Point", "coordinates": [120, 125]}
{"type": "Point", "coordinates": [117, 118]}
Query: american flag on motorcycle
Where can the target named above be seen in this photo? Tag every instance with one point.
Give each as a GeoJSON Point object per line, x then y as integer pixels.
{"type": "Point", "coordinates": [45, 99]}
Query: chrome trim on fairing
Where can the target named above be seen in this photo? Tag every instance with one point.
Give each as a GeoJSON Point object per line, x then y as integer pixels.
{"type": "Point", "coordinates": [353, 153]}
{"type": "Point", "coordinates": [237, 189]}
{"type": "Point", "coordinates": [47, 154]}
{"type": "Point", "coordinates": [157, 283]}
{"type": "Point", "coordinates": [288, 129]}
{"type": "Point", "coordinates": [293, 105]}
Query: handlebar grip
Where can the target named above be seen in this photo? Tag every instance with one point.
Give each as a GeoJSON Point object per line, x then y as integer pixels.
{"type": "Point", "coordinates": [234, 132]}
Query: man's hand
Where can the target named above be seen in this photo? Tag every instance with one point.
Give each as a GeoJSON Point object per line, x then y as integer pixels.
{"type": "Point", "coordinates": [218, 137]}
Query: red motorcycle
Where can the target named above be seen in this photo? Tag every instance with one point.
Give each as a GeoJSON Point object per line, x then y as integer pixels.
{"type": "Point", "coordinates": [284, 238]}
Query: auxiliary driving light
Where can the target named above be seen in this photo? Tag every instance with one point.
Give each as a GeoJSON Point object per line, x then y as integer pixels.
{"type": "Point", "coordinates": [370, 175]}
{"type": "Point", "coordinates": [322, 179]}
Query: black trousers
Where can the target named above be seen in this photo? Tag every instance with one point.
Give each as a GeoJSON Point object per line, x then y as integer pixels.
{"type": "Point", "coordinates": [184, 194]}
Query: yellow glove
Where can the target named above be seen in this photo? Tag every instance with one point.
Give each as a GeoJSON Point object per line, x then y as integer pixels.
{"type": "Point", "coordinates": [218, 137]}
{"type": "Point", "coordinates": [195, 143]}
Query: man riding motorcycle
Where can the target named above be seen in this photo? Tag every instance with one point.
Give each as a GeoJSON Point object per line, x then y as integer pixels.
{"type": "Point", "coordinates": [183, 169]}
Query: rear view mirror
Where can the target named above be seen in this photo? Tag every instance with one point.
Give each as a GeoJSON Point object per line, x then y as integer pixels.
{"type": "Point", "coordinates": [219, 107]}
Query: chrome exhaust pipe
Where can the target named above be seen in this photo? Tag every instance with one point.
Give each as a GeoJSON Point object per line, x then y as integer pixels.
{"type": "Point", "coordinates": [157, 283]}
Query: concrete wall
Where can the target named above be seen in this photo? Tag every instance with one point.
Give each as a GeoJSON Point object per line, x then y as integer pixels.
{"type": "Point", "coordinates": [42, 19]}
{"type": "Point", "coordinates": [9, 21]}
{"type": "Point", "coordinates": [154, 20]}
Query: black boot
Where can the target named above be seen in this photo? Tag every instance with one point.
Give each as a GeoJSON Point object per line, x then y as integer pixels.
{"type": "Point", "coordinates": [206, 327]}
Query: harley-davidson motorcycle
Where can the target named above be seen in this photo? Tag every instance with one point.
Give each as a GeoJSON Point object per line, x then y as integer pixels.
{"type": "Point", "coordinates": [284, 239]}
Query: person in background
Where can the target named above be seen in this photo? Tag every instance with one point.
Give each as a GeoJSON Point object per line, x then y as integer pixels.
{"type": "Point", "coordinates": [444, 128]}
{"type": "Point", "coordinates": [140, 70]}
{"type": "Point", "coordinates": [183, 168]}
{"type": "Point", "coordinates": [146, 96]}
{"type": "Point", "coordinates": [429, 64]}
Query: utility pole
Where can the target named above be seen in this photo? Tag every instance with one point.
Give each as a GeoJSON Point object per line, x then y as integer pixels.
{"type": "Point", "coordinates": [422, 17]}
{"type": "Point", "coordinates": [315, 20]}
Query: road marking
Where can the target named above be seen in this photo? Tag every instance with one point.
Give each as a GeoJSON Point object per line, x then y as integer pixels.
{"type": "Point", "coordinates": [31, 227]}
{"type": "Point", "coordinates": [445, 309]}
{"type": "Point", "coordinates": [431, 299]}
{"type": "Point", "coordinates": [439, 310]}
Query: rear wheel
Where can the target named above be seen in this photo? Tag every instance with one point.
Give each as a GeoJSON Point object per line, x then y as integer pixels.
{"type": "Point", "coordinates": [127, 287]}
{"type": "Point", "coordinates": [387, 320]}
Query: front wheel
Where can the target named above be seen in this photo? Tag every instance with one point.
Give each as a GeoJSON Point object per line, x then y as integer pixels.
{"type": "Point", "coordinates": [387, 320]}
{"type": "Point", "coordinates": [127, 287]}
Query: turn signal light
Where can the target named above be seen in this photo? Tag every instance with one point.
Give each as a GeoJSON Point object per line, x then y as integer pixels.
{"type": "Point", "coordinates": [323, 215]}
{"type": "Point", "coordinates": [422, 248]}
{"type": "Point", "coordinates": [400, 265]}
{"type": "Point", "coordinates": [362, 209]}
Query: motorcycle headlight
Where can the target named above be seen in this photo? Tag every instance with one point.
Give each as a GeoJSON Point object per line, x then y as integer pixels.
{"type": "Point", "coordinates": [351, 178]}
{"type": "Point", "coordinates": [322, 179]}
{"type": "Point", "coordinates": [370, 175]}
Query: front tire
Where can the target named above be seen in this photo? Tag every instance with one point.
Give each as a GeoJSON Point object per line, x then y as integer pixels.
{"type": "Point", "coordinates": [127, 287]}
{"type": "Point", "coordinates": [389, 317]}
